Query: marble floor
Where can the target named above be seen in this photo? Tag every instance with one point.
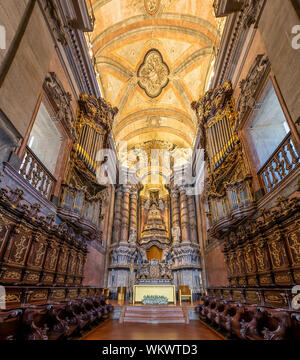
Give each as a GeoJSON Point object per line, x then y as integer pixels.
{"type": "Point", "coordinates": [113, 330]}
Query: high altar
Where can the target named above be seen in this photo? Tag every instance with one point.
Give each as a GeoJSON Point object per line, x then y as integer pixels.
{"type": "Point", "coordinates": [169, 291]}
{"type": "Point", "coordinates": [155, 257]}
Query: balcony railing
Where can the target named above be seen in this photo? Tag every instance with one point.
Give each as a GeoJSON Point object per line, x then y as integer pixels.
{"type": "Point", "coordinates": [283, 161]}
{"type": "Point", "coordinates": [36, 174]}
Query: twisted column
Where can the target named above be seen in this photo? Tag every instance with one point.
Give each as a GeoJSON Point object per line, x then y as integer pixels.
{"type": "Point", "coordinates": [184, 216]}
{"type": "Point", "coordinates": [133, 216]}
{"type": "Point", "coordinates": [175, 215]}
{"type": "Point", "coordinates": [192, 219]}
{"type": "Point", "coordinates": [125, 216]}
{"type": "Point", "coordinates": [118, 216]}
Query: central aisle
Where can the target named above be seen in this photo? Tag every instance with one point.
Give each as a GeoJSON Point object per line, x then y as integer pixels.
{"type": "Point", "coordinates": [113, 330]}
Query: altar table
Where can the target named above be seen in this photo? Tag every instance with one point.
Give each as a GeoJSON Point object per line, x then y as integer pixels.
{"type": "Point", "coordinates": [139, 291]}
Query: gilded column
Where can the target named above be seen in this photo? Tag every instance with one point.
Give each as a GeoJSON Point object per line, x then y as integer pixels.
{"type": "Point", "coordinates": [133, 216]}
{"type": "Point", "coordinates": [192, 219]}
{"type": "Point", "coordinates": [184, 216]}
{"type": "Point", "coordinates": [175, 215]}
{"type": "Point", "coordinates": [118, 216]}
{"type": "Point", "coordinates": [125, 216]}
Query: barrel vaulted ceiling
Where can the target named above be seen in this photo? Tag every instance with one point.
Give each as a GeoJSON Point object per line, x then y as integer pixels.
{"type": "Point", "coordinates": [153, 58]}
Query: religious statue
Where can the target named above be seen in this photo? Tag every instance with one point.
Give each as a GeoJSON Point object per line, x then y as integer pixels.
{"type": "Point", "coordinates": [132, 237]}
{"type": "Point", "coordinates": [143, 254]}
{"type": "Point", "coordinates": [145, 271]}
{"type": "Point", "coordinates": [165, 254]}
{"type": "Point", "coordinates": [162, 269]}
{"type": "Point", "coordinates": [176, 234]}
{"type": "Point", "coordinates": [169, 266]}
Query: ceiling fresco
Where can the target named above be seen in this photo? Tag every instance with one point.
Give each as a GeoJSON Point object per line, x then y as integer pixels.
{"type": "Point", "coordinates": [153, 58]}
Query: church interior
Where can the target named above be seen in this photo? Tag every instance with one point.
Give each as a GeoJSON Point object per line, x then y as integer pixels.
{"type": "Point", "coordinates": [149, 169]}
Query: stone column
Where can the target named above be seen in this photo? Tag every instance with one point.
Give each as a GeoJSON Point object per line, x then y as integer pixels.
{"type": "Point", "coordinates": [118, 216]}
{"type": "Point", "coordinates": [133, 216]}
{"type": "Point", "coordinates": [192, 218]}
{"type": "Point", "coordinates": [175, 215]}
{"type": "Point", "coordinates": [184, 216]}
{"type": "Point", "coordinates": [125, 216]}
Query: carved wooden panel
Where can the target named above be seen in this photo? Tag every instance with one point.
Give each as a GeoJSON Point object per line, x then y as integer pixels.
{"type": "Point", "coordinates": [18, 245]}
{"type": "Point", "coordinates": [252, 280]}
{"type": "Point", "coordinates": [51, 255]}
{"type": "Point", "coordinates": [37, 296]}
{"type": "Point", "coordinates": [261, 255]}
{"type": "Point", "coordinates": [63, 260]}
{"type": "Point", "coordinates": [277, 251]}
{"type": "Point", "coordinates": [58, 294]}
{"type": "Point", "coordinates": [249, 259]}
{"type": "Point", "coordinates": [33, 249]}
{"type": "Point", "coordinates": [73, 294]}
{"type": "Point", "coordinates": [252, 297]}
{"type": "Point", "coordinates": [275, 299]}
{"type": "Point", "coordinates": [79, 265]}
{"type": "Point", "coordinates": [6, 225]}
{"type": "Point", "coordinates": [72, 263]}
{"type": "Point", "coordinates": [237, 295]}
{"type": "Point", "coordinates": [83, 293]}
{"type": "Point", "coordinates": [37, 251]}
{"type": "Point", "coordinates": [293, 240]}
{"type": "Point", "coordinates": [13, 297]}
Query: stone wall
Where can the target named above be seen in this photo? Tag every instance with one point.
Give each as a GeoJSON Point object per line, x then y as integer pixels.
{"type": "Point", "coordinates": [11, 14]}
{"type": "Point", "coordinates": [276, 26]}
{"type": "Point", "coordinates": [23, 83]}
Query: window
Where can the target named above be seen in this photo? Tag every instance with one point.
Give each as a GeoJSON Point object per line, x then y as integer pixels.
{"type": "Point", "coordinates": [46, 139]}
{"type": "Point", "coordinates": [267, 127]}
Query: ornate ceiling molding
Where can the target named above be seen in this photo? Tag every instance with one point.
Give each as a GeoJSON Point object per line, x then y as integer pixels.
{"type": "Point", "coordinates": [130, 88]}
{"type": "Point", "coordinates": [190, 127]}
{"type": "Point", "coordinates": [115, 65]}
{"type": "Point", "coordinates": [180, 89]}
{"type": "Point", "coordinates": [192, 59]}
{"type": "Point", "coordinates": [150, 27]}
{"type": "Point", "coordinates": [152, 6]}
{"type": "Point", "coordinates": [161, 129]}
{"type": "Point", "coordinates": [184, 18]}
{"type": "Point", "coordinates": [153, 94]}
{"type": "Point", "coordinates": [250, 86]}
{"type": "Point", "coordinates": [153, 74]}
{"type": "Point", "coordinates": [99, 3]}
{"type": "Point", "coordinates": [162, 112]}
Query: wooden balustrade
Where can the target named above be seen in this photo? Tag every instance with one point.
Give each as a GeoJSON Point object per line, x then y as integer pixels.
{"type": "Point", "coordinates": [283, 161]}
{"type": "Point", "coordinates": [36, 174]}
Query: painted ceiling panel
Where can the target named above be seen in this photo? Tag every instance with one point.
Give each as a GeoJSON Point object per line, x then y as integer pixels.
{"type": "Point", "coordinates": [154, 57]}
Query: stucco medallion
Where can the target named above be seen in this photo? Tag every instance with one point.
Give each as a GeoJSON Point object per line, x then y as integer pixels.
{"type": "Point", "coordinates": [152, 6]}
{"type": "Point", "coordinates": [153, 74]}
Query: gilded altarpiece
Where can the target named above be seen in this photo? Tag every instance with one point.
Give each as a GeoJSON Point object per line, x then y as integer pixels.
{"type": "Point", "coordinates": [147, 247]}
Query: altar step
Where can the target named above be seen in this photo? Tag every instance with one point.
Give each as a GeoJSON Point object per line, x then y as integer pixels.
{"type": "Point", "coordinates": [154, 315]}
